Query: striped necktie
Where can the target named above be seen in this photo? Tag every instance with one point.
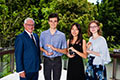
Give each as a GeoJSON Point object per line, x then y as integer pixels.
{"type": "Point", "coordinates": [33, 39]}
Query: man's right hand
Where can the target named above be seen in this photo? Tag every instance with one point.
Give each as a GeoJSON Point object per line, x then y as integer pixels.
{"type": "Point", "coordinates": [22, 74]}
{"type": "Point", "coordinates": [48, 54]}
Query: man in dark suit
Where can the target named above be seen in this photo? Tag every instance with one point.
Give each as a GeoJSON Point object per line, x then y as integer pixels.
{"type": "Point", "coordinates": [27, 52]}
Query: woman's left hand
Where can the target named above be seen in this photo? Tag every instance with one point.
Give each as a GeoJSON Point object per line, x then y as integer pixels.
{"type": "Point", "coordinates": [70, 56]}
{"type": "Point", "coordinates": [72, 49]}
{"type": "Point", "coordinates": [88, 51]}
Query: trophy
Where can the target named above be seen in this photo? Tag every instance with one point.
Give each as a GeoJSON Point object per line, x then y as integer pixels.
{"type": "Point", "coordinates": [89, 46]}
{"type": "Point", "coordinates": [71, 52]}
{"type": "Point", "coordinates": [49, 50]}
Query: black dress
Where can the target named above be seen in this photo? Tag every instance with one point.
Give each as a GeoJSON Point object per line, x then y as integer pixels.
{"type": "Point", "coordinates": [75, 65]}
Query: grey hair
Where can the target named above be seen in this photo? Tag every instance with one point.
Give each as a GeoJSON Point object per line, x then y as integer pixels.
{"type": "Point", "coordinates": [25, 21]}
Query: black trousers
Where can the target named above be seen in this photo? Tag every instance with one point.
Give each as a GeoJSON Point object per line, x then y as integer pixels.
{"type": "Point", "coordinates": [31, 76]}
{"type": "Point", "coordinates": [52, 65]}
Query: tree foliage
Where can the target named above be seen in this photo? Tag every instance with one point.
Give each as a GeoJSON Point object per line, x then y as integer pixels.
{"type": "Point", "coordinates": [109, 15]}
{"type": "Point", "coordinates": [13, 13]}
{"type": "Point", "coordinates": [70, 11]}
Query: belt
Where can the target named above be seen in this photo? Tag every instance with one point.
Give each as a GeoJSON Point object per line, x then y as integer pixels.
{"type": "Point", "coordinates": [53, 58]}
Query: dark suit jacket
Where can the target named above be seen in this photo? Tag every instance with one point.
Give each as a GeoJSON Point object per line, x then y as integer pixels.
{"type": "Point", "coordinates": [27, 54]}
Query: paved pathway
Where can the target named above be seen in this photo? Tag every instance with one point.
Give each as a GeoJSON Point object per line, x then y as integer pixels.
{"type": "Point", "coordinates": [15, 76]}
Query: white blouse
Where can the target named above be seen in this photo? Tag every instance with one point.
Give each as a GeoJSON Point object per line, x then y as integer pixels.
{"type": "Point", "coordinates": [100, 45]}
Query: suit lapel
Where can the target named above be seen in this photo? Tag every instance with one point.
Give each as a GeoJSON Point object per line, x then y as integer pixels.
{"type": "Point", "coordinates": [26, 35]}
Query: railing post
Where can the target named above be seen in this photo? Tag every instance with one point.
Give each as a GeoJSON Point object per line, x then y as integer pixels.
{"type": "Point", "coordinates": [114, 68]}
{"type": "Point", "coordinates": [1, 63]}
{"type": "Point", "coordinates": [12, 63]}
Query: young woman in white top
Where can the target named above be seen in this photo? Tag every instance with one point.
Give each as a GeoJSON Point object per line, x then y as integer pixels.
{"type": "Point", "coordinates": [98, 53]}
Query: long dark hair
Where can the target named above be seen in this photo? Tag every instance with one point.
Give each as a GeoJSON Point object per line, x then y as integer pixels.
{"type": "Point", "coordinates": [79, 39]}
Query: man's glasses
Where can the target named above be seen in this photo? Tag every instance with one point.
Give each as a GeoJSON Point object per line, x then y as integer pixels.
{"type": "Point", "coordinates": [29, 24]}
{"type": "Point", "coordinates": [53, 21]}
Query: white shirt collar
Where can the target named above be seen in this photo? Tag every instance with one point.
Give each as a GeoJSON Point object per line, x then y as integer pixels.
{"type": "Point", "coordinates": [29, 33]}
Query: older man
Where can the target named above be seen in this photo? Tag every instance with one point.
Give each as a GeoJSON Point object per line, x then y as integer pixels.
{"type": "Point", "coordinates": [27, 52]}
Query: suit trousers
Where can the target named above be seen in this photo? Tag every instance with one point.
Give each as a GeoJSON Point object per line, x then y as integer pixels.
{"type": "Point", "coordinates": [31, 76]}
{"type": "Point", "coordinates": [52, 66]}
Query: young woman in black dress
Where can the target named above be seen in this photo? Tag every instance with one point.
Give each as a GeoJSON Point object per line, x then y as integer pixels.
{"type": "Point", "coordinates": [76, 51]}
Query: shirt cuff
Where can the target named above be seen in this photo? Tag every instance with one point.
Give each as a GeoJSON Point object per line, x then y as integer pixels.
{"type": "Point", "coordinates": [21, 72]}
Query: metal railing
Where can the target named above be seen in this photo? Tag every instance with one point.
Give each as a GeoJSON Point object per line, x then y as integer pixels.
{"type": "Point", "coordinates": [6, 61]}
{"type": "Point", "coordinates": [115, 55]}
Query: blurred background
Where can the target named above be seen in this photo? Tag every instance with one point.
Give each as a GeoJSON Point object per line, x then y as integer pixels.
{"type": "Point", "coordinates": [13, 13]}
